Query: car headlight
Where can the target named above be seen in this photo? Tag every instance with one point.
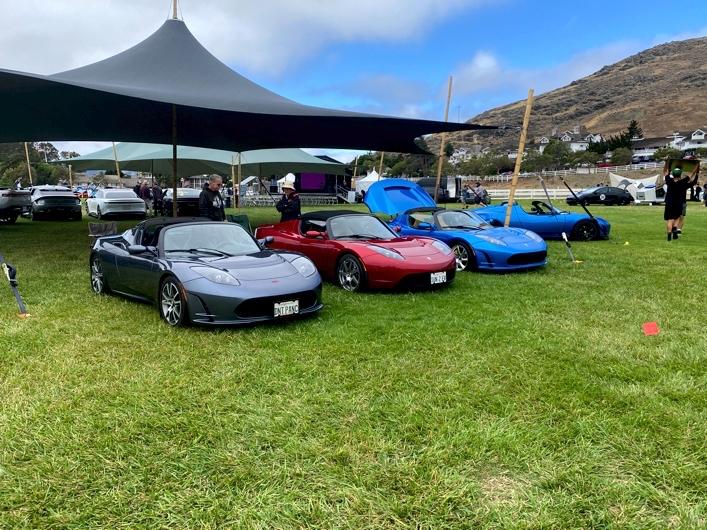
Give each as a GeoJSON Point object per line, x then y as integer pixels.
{"type": "Point", "coordinates": [442, 247]}
{"type": "Point", "coordinates": [39, 202]}
{"type": "Point", "coordinates": [304, 266]}
{"type": "Point", "coordinates": [385, 252]}
{"type": "Point", "coordinates": [492, 240]}
{"type": "Point", "coordinates": [532, 235]}
{"type": "Point", "coordinates": [216, 275]}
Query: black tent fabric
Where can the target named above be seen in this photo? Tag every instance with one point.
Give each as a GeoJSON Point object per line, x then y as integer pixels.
{"type": "Point", "coordinates": [132, 96]}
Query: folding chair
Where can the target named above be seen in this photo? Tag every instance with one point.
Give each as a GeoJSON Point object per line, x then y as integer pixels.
{"type": "Point", "coordinates": [242, 220]}
{"type": "Point", "coordinates": [96, 230]}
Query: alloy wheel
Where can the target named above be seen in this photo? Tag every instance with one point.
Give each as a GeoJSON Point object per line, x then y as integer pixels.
{"type": "Point", "coordinates": [171, 303]}
{"type": "Point", "coordinates": [350, 274]}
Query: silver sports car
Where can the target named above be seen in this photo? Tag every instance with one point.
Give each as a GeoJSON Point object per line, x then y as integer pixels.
{"type": "Point", "coordinates": [205, 272]}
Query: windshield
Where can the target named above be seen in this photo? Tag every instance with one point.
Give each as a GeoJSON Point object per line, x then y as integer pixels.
{"type": "Point", "coordinates": [589, 190]}
{"type": "Point", "coordinates": [209, 239]}
{"type": "Point", "coordinates": [359, 227]}
{"type": "Point", "coordinates": [127, 194]}
{"type": "Point", "coordinates": [183, 193]}
{"type": "Point", "coordinates": [461, 219]}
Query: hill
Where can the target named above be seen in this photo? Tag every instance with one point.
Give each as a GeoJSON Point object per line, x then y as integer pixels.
{"type": "Point", "coordinates": [663, 88]}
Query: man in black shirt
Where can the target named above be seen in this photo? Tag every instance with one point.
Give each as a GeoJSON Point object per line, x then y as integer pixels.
{"type": "Point", "coordinates": [210, 200]}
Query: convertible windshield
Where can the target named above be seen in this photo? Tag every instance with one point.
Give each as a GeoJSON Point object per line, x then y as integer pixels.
{"type": "Point", "coordinates": [461, 219]}
{"type": "Point", "coordinates": [210, 239]}
{"type": "Point", "coordinates": [359, 227]}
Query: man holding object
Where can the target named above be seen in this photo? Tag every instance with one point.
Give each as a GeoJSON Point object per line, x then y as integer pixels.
{"type": "Point", "coordinates": [675, 199]}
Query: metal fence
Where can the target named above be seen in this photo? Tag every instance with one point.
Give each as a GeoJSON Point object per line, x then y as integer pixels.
{"type": "Point", "coordinates": [572, 172]}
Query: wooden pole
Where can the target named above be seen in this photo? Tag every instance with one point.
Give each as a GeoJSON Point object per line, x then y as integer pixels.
{"type": "Point", "coordinates": [519, 158]}
{"type": "Point", "coordinates": [240, 177]}
{"type": "Point", "coordinates": [71, 179]}
{"type": "Point", "coordinates": [233, 181]}
{"type": "Point", "coordinates": [117, 164]}
{"type": "Point", "coordinates": [174, 9]}
{"type": "Point", "coordinates": [29, 168]}
{"type": "Point", "coordinates": [443, 140]}
{"type": "Point", "coordinates": [380, 166]}
{"type": "Point", "coordinates": [174, 160]}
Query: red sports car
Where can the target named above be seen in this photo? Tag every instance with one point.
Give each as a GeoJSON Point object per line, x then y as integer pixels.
{"type": "Point", "coordinates": [358, 250]}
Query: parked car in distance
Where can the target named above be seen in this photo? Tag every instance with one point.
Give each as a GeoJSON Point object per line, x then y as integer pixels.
{"type": "Point", "coordinates": [116, 203]}
{"type": "Point", "coordinates": [360, 251]}
{"type": "Point", "coordinates": [205, 272]}
{"type": "Point", "coordinates": [54, 202]}
{"type": "Point", "coordinates": [12, 204]}
{"type": "Point", "coordinates": [607, 195]}
{"type": "Point", "coordinates": [187, 202]}
{"type": "Point", "coordinates": [428, 184]}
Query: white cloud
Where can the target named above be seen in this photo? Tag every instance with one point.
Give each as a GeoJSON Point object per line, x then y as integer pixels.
{"type": "Point", "coordinates": [267, 36]}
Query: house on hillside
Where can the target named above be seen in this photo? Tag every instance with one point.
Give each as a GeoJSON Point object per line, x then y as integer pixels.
{"type": "Point", "coordinates": [644, 148]}
{"type": "Point", "coordinates": [576, 139]}
{"type": "Point", "coordinates": [686, 141]}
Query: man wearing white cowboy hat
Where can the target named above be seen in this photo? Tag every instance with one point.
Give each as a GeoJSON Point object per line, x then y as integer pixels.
{"type": "Point", "coordinates": [289, 205]}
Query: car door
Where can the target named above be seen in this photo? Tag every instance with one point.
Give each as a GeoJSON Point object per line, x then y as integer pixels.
{"type": "Point", "coordinates": [546, 223]}
{"type": "Point", "coordinates": [321, 250]}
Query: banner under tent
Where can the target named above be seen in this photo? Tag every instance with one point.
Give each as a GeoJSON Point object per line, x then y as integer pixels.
{"type": "Point", "coordinates": [644, 190]}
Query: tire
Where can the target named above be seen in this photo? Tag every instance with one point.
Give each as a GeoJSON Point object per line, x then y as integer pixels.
{"type": "Point", "coordinates": [172, 303]}
{"type": "Point", "coordinates": [350, 273]}
{"type": "Point", "coordinates": [465, 256]}
{"type": "Point", "coordinates": [98, 281]}
{"type": "Point", "coordinates": [585, 230]}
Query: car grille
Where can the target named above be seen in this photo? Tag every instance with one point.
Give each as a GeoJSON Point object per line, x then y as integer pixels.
{"type": "Point", "coordinates": [264, 307]}
{"type": "Point", "coordinates": [422, 281]}
{"type": "Point", "coordinates": [527, 258]}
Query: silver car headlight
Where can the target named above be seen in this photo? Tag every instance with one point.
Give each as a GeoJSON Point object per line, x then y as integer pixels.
{"type": "Point", "coordinates": [532, 235]}
{"type": "Point", "coordinates": [216, 275]}
{"type": "Point", "coordinates": [304, 266]}
{"type": "Point", "coordinates": [492, 240]}
{"type": "Point", "coordinates": [442, 247]}
{"type": "Point", "coordinates": [386, 252]}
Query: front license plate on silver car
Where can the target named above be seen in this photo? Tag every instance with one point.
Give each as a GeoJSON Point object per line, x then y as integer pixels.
{"type": "Point", "coordinates": [283, 309]}
{"type": "Point", "coordinates": [438, 277]}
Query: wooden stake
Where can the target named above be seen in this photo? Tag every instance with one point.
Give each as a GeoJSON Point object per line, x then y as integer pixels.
{"type": "Point", "coordinates": [174, 160]}
{"type": "Point", "coordinates": [29, 168]}
{"type": "Point", "coordinates": [443, 140]}
{"type": "Point", "coordinates": [519, 158]}
{"type": "Point", "coordinates": [117, 164]}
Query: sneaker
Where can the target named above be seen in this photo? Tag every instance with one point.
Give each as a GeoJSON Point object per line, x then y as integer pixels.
{"type": "Point", "coordinates": [676, 235]}
{"type": "Point", "coordinates": [679, 231]}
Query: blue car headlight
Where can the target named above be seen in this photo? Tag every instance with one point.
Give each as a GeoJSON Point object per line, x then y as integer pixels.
{"type": "Point", "coordinates": [385, 252]}
{"type": "Point", "coordinates": [216, 275]}
{"type": "Point", "coordinates": [532, 235]}
{"type": "Point", "coordinates": [442, 247]}
{"type": "Point", "coordinates": [304, 266]}
{"type": "Point", "coordinates": [492, 240]}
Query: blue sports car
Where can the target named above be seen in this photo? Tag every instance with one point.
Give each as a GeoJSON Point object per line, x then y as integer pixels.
{"type": "Point", "coordinates": [476, 244]}
{"type": "Point", "coordinates": [548, 221]}
{"type": "Point", "coordinates": [201, 271]}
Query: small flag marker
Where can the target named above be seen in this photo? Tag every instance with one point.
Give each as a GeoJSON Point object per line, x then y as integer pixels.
{"type": "Point", "coordinates": [650, 328]}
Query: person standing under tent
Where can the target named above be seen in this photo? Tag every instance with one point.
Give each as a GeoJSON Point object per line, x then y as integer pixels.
{"type": "Point", "coordinates": [157, 199]}
{"type": "Point", "coordinates": [210, 200]}
{"type": "Point", "coordinates": [289, 205]}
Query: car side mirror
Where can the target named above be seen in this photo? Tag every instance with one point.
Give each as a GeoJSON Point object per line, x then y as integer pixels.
{"type": "Point", "coordinates": [495, 222]}
{"type": "Point", "coordinates": [265, 241]}
{"type": "Point", "coordinates": [313, 234]}
{"type": "Point", "coordinates": [424, 226]}
{"type": "Point", "coordinates": [397, 229]}
{"type": "Point", "coordinates": [136, 249]}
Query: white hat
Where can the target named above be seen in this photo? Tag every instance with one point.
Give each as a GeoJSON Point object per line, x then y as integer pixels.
{"type": "Point", "coordinates": [289, 181]}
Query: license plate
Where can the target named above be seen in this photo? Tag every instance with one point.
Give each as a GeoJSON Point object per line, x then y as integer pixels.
{"type": "Point", "coordinates": [438, 277]}
{"type": "Point", "coordinates": [284, 309]}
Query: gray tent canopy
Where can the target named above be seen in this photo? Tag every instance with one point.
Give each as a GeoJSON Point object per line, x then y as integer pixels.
{"type": "Point", "coordinates": [169, 89]}
{"type": "Point", "coordinates": [157, 159]}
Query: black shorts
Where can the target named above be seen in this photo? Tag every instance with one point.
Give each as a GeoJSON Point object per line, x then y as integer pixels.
{"type": "Point", "coordinates": [672, 210]}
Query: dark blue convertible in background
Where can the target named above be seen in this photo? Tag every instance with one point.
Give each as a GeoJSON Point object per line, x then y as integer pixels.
{"type": "Point", "coordinates": [205, 272]}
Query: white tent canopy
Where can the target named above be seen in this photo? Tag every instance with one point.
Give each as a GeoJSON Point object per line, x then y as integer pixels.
{"type": "Point", "coordinates": [642, 190]}
{"type": "Point", "coordinates": [366, 182]}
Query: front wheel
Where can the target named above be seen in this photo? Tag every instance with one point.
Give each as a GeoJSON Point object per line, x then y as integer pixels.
{"type": "Point", "coordinates": [172, 303]}
{"type": "Point", "coordinates": [585, 231]}
{"type": "Point", "coordinates": [350, 273]}
{"type": "Point", "coordinates": [464, 256]}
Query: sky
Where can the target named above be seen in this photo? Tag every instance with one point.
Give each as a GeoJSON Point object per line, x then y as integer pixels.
{"type": "Point", "coordinates": [390, 57]}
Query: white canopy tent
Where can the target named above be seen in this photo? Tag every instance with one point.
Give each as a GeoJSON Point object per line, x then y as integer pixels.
{"type": "Point", "coordinates": [366, 182]}
{"type": "Point", "coordinates": [642, 190]}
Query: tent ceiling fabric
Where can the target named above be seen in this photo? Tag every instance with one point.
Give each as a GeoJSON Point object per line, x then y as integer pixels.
{"type": "Point", "coordinates": [129, 97]}
{"type": "Point", "coordinates": [157, 159]}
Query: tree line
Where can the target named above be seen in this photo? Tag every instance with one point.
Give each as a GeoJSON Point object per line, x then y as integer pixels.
{"type": "Point", "coordinates": [13, 164]}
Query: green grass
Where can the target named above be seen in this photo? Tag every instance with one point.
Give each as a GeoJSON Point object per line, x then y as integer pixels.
{"type": "Point", "coordinates": [527, 400]}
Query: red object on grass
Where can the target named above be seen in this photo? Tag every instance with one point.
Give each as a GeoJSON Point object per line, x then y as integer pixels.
{"type": "Point", "coordinates": [650, 328]}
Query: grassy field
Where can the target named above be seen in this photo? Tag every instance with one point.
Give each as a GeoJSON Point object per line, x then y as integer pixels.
{"type": "Point", "coordinates": [527, 400]}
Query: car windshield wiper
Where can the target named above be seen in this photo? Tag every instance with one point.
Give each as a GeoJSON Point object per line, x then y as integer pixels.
{"type": "Point", "coordinates": [363, 236]}
{"type": "Point", "coordinates": [465, 227]}
{"type": "Point", "coordinates": [209, 251]}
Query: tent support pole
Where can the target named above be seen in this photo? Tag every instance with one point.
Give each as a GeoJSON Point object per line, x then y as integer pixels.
{"type": "Point", "coordinates": [442, 141]}
{"type": "Point", "coordinates": [240, 178]}
{"type": "Point", "coordinates": [174, 160]}
{"type": "Point", "coordinates": [380, 165]}
{"type": "Point", "coordinates": [519, 158]}
{"type": "Point", "coordinates": [71, 179]}
{"type": "Point", "coordinates": [117, 164]}
{"type": "Point", "coordinates": [233, 180]}
{"type": "Point", "coordinates": [29, 168]}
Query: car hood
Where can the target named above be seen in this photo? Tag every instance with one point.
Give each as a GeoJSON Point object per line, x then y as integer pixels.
{"type": "Point", "coordinates": [510, 236]}
{"type": "Point", "coordinates": [408, 247]}
{"type": "Point", "coordinates": [265, 265]}
{"type": "Point", "coordinates": [394, 196]}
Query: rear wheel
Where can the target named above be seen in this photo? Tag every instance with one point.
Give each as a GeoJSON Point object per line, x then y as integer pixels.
{"type": "Point", "coordinates": [585, 230]}
{"type": "Point", "coordinates": [98, 280]}
{"type": "Point", "coordinates": [98, 212]}
{"type": "Point", "coordinates": [172, 303]}
{"type": "Point", "coordinates": [464, 255]}
{"type": "Point", "coordinates": [350, 273]}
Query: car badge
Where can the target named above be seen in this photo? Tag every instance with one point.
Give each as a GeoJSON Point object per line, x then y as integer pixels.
{"type": "Point", "coordinates": [429, 258]}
